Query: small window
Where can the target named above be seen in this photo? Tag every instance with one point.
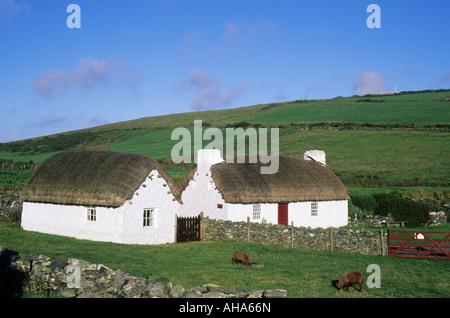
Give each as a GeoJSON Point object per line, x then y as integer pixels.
{"type": "Point", "coordinates": [314, 208]}
{"type": "Point", "coordinates": [256, 211]}
{"type": "Point", "coordinates": [220, 206]}
{"type": "Point", "coordinates": [149, 217]}
{"type": "Point", "coordinates": [91, 215]}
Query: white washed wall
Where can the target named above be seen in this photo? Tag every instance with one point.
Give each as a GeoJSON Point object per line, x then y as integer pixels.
{"type": "Point", "coordinates": [201, 195]}
{"type": "Point", "coordinates": [120, 225]}
{"type": "Point", "coordinates": [154, 195]}
{"type": "Point", "coordinates": [71, 220]}
{"type": "Point", "coordinates": [331, 213]}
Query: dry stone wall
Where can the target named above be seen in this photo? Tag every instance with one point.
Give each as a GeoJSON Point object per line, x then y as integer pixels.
{"type": "Point", "coordinates": [355, 239]}
{"type": "Point", "coordinates": [76, 278]}
{"type": "Point", "coordinates": [349, 240]}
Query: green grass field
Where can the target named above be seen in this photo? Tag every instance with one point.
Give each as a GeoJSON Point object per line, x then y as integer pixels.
{"type": "Point", "coordinates": [304, 273]}
{"type": "Point", "coordinates": [359, 158]}
{"type": "Point", "coordinates": [423, 108]}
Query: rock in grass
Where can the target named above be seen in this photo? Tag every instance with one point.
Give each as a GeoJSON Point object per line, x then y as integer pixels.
{"type": "Point", "coordinates": [257, 265]}
{"type": "Point", "coordinates": [275, 293]}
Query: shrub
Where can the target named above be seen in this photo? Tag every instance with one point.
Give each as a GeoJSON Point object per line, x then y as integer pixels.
{"type": "Point", "coordinates": [379, 197]}
{"type": "Point", "coordinates": [243, 124]}
{"type": "Point", "coordinates": [354, 210]}
{"type": "Point", "coordinates": [364, 202]}
{"type": "Point", "coordinates": [415, 213]}
{"type": "Point", "coordinates": [432, 205]}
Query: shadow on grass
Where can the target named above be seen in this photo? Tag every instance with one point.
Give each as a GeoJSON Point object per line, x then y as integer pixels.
{"type": "Point", "coordinates": [11, 279]}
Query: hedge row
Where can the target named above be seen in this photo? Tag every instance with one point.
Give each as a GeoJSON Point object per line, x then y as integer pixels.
{"type": "Point", "coordinates": [416, 213]}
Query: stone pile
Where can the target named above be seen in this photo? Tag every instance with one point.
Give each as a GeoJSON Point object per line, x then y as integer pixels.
{"type": "Point", "coordinates": [73, 277]}
{"type": "Point", "coordinates": [10, 205]}
{"type": "Point", "coordinates": [437, 218]}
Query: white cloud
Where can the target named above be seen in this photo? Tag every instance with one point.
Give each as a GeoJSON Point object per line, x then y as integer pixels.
{"type": "Point", "coordinates": [51, 84]}
{"type": "Point", "coordinates": [246, 32]}
{"type": "Point", "coordinates": [368, 83]}
{"type": "Point", "coordinates": [210, 93]}
{"type": "Point", "coordinates": [88, 73]}
{"type": "Point", "coordinates": [9, 9]}
{"type": "Point", "coordinates": [198, 79]}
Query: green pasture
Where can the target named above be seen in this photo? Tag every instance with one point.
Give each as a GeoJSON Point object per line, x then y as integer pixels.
{"type": "Point", "coordinates": [424, 108]}
{"type": "Point", "coordinates": [421, 109]}
{"type": "Point", "coordinates": [304, 273]}
{"type": "Point", "coordinates": [387, 158]}
{"type": "Point", "coordinates": [371, 158]}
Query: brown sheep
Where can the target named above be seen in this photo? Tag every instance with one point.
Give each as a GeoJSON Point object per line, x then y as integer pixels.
{"type": "Point", "coordinates": [350, 279]}
{"type": "Point", "coordinates": [241, 257]}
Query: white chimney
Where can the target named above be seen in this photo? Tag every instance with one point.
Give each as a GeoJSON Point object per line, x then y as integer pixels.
{"type": "Point", "coordinates": [207, 158]}
{"type": "Point", "coordinates": [315, 155]}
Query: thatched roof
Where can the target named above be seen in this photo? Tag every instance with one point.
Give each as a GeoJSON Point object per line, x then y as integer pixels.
{"type": "Point", "coordinates": [296, 180]}
{"type": "Point", "coordinates": [92, 178]}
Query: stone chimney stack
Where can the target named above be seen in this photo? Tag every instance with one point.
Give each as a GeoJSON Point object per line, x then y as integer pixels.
{"type": "Point", "coordinates": [315, 155]}
{"type": "Point", "coordinates": [207, 158]}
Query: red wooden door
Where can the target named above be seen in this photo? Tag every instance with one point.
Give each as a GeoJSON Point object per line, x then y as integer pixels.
{"type": "Point", "coordinates": [283, 213]}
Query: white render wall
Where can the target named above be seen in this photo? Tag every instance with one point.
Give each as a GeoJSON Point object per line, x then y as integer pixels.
{"type": "Point", "coordinates": [330, 213]}
{"type": "Point", "coordinates": [120, 225]}
{"type": "Point", "coordinates": [155, 194]}
{"type": "Point", "coordinates": [71, 220]}
{"type": "Point", "coordinates": [201, 195]}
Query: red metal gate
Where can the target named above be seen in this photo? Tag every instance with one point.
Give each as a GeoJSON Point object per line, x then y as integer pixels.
{"type": "Point", "coordinates": [419, 244]}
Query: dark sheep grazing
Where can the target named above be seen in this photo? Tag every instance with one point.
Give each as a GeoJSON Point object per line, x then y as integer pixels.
{"type": "Point", "coordinates": [241, 257]}
{"type": "Point", "coordinates": [350, 279]}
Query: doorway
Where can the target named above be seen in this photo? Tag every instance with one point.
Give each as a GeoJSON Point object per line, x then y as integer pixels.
{"type": "Point", "coordinates": [283, 213]}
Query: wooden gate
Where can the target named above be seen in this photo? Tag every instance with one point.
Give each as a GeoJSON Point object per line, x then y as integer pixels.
{"type": "Point", "coordinates": [419, 244]}
{"type": "Point", "coordinates": [188, 229]}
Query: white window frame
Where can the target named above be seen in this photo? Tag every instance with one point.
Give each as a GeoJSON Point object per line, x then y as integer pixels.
{"type": "Point", "coordinates": [91, 215]}
{"type": "Point", "coordinates": [315, 208]}
{"type": "Point", "coordinates": [257, 211]}
{"type": "Point", "coordinates": [149, 217]}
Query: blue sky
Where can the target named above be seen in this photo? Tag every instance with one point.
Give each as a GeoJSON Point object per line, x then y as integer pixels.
{"type": "Point", "coordinates": [132, 59]}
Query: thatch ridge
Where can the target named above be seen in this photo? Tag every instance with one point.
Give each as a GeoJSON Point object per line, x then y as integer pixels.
{"type": "Point", "coordinates": [92, 178]}
{"type": "Point", "coordinates": [296, 180]}
{"type": "Point", "coordinates": [184, 182]}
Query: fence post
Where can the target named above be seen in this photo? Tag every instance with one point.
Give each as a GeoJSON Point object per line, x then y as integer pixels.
{"type": "Point", "coordinates": [176, 227]}
{"type": "Point", "coordinates": [389, 242]}
{"type": "Point", "coordinates": [331, 240]}
{"type": "Point", "coordinates": [292, 234]}
{"type": "Point", "coordinates": [201, 226]}
{"type": "Point", "coordinates": [248, 229]}
{"type": "Point", "coordinates": [382, 242]}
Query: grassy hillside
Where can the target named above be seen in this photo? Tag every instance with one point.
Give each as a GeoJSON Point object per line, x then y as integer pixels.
{"type": "Point", "coordinates": [427, 108]}
{"type": "Point", "coordinates": [391, 140]}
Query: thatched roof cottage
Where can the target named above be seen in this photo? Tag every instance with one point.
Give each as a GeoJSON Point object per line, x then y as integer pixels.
{"type": "Point", "coordinates": [103, 196]}
{"type": "Point", "coordinates": [302, 191]}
